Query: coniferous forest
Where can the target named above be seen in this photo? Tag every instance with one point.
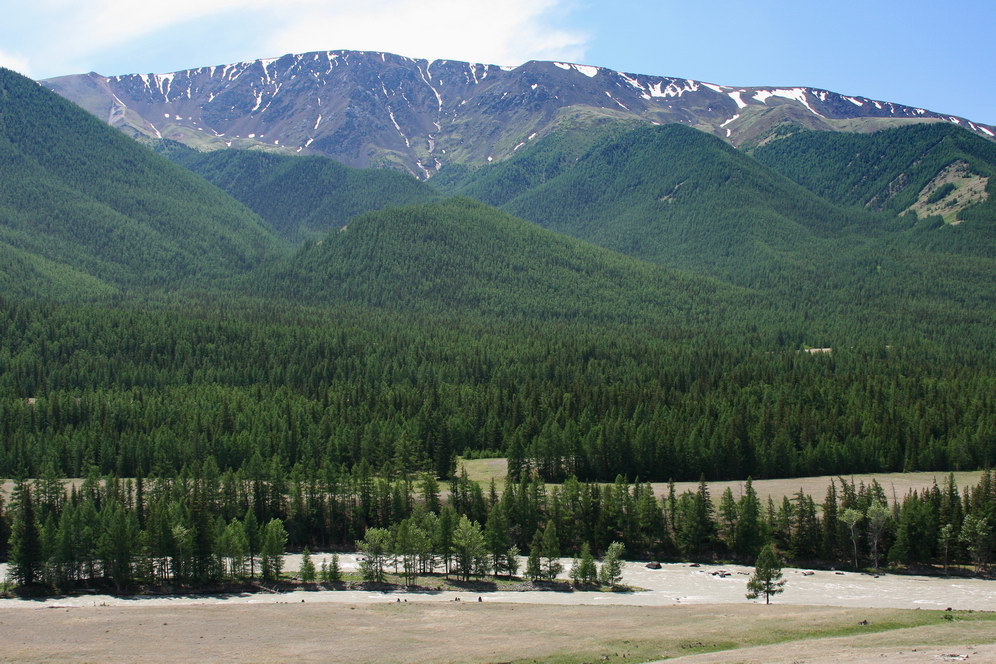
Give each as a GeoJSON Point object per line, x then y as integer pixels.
{"type": "Point", "coordinates": [231, 372]}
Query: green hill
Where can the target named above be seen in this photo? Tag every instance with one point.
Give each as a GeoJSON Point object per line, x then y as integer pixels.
{"type": "Point", "coordinates": [81, 202]}
{"type": "Point", "coordinates": [672, 195]}
{"type": "Point", "coordinates": [463, 257]}
{"type": "Point", "coordinates": [531, 167]}
{"type": "Point", "coordinates": [301, 197]}
{"type": "Point", "coordinates": [930, 169]}
{"type": "Point", "coordinates": [679, 197]}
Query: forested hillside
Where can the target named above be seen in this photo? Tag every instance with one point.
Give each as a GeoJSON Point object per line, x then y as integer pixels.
{"type": "Point", "coordinates": [80, 202]}
{"type": "Point", "coordinates": [137, 391]}
{"type": "Point", "coordinates": [463, 258]}
{"type": "Point", "coordinates": [669, 194]}
{"type": "Point", "coordinates": [301, 197]}
{"type": "Point", "coordinates": [679, 197]}
{"type": "Point", "coordinates": [885, 170]}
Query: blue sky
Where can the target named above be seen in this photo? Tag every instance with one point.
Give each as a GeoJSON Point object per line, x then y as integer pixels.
{"type": "Point", "coordinates": [924, 53]}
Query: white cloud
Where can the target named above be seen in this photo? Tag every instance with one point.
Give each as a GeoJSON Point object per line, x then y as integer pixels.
{"type": "Point", "coordinates": [16, 62]}
{"type": "Point", "coordinates": [497, 31]}
{"type": "Point", "coordinates": [505, 32]}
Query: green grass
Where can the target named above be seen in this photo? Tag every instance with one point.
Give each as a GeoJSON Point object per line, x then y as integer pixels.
{"type": "Point", "coordinates": [765, 631]}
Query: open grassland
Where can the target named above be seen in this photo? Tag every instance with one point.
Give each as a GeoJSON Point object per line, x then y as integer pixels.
{"type": "Point", "coordinates": [469, 632]}
{"type": "Point", "coordinates": [896, 485]}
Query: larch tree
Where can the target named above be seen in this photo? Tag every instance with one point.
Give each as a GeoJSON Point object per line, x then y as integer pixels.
{"type": "Point", "coordinates": [767, 578]}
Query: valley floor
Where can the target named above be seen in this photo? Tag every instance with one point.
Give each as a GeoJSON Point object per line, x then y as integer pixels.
{"type": "Point", "coordinates": [391, 632]}
{"type": "Point", "coordinates": [673, 584]}
{"type": "Point", "coordinates": [681, 612]}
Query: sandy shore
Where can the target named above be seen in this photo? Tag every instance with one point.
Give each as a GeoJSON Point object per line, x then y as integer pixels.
{"type": "Point", "coordinates": [677, 583]}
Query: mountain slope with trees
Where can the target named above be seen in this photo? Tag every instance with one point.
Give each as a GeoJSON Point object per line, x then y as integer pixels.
{"type": "Point", "coordinates": [886, 170]}
{"type": "Point", "coordinates": [77, 195]}
{"type": "Point", "coordinates": [676, 196]}
{"type": "Point", "coordinates": [464, 257]}
{"type": "Point", "coordinates": [301, 197]}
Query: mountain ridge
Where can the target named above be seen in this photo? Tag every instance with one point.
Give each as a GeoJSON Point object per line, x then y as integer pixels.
{"type": "Point", "coordinates": [378, 109]}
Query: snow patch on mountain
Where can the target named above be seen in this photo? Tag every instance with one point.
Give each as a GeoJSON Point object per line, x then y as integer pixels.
{"type": "Point", "coordinates": [587, 70]}
{"type": "Point", "coordinates": [795, 94]}
{"type": "Point", "coordinates": [632, 81]}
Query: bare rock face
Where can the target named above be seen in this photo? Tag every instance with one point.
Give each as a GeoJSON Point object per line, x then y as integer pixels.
{"type": "Point", "coordinates": [379, 109]}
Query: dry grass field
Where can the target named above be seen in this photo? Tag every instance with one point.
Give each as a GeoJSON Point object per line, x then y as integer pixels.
{"type": "Point", "coordinates": [895, 484]}
{"type": "Point", "coordinates": [390, 633]}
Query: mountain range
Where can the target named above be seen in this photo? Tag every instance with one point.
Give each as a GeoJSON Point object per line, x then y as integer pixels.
{"type": "Point", "coordinates": [638, 297]}
{"type": "Point", "coordinates": [379, 109]}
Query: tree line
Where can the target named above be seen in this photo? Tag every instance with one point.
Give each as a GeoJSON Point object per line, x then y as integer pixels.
{"type": "Point", "coordinates": [203, 527]}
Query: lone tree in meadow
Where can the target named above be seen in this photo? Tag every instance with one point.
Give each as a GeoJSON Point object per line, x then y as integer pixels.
{"type": "Point", "coordinates": [767, 577]}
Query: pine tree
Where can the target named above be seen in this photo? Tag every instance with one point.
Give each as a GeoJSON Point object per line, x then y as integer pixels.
{"type": "Point", "coordinates": [584, 571]}
{"type": "Point", "coordinates": [534, 565]}
{"type": "Point", "coordinates": [512, 561]}
{"type": "Point", "coordinates": [611, 572]}
{"type": "Point", "coordinates": [497, 537]}
{"type": "Point", "coordinates": [878, 517]}
{"type": "Point", "coordinates": [749, 531]}
{"type": "Point", "coordinates": [852, 518]}
{"type": "Point", "coordinates": [375, 546]}
{"type": "Point", "coordinates": [767, 577]}
{"type": "Point", "coordinates": [25, 540]}
{"type": "Point", "coordinates": [946, 539]}
{"type": "Point", "coordinates": [976, 535]}
{"type": "Point", "coordinates": [430, 492]}
{"type": "Point", "coordinates": [272, 550]}
{"type": "Point", "coordinates": [307, 567]}
{"type": "Point", "coordinates": [331, 571]}
{"type": "Point", "coordinates": [253, 539]}
{"type": "Point", "coordinates": [551, 552]}
{"type": "Point", "coordinates": [728, 520]}
{"type": "Point", "coordinates": [469, 548]}
{"type": "Point", "coordinates": [237, 548]}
